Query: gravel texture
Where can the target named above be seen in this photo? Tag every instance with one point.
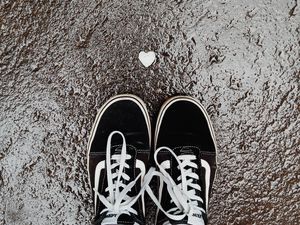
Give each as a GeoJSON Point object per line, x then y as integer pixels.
{"type": "Point", "coordinates": [60, 60]}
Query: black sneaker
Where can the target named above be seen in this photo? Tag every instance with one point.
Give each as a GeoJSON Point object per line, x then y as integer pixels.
{"type": "Point", "coordinates": [189, 159]}
{"type": "Point", "coordinates": [118, 151]}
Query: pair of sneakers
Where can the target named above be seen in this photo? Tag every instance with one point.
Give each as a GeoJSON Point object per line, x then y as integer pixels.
{"type": "Point", "coordinates": [183, 152]}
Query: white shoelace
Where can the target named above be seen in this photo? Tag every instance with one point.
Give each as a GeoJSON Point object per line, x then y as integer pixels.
{"type": "Point", "coordinates": [182, 195]}
{"type": "Point", "coordinates": [118, 201]}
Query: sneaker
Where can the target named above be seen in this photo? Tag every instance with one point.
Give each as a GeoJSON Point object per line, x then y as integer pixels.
{"type": "Point", "coordinates": [185, 153]}
{"type": "Point", "coordinates": [118, 153]}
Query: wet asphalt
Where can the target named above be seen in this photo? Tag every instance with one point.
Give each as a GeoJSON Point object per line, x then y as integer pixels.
{"type": "Point", "coordinates": [60, 60]}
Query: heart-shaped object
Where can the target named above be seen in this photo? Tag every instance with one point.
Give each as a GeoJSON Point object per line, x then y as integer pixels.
{"type": "Point", "coordinates": [147, 58]}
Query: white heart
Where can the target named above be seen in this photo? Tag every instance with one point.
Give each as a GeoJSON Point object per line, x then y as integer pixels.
{"type": "Point", "coordinates": [147, 58]}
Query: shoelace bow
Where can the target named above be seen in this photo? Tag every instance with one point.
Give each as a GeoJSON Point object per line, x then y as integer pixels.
{"type": "Point", "coordinates": [183, 195]}
{"type": "Point", "coordinates": [118, 201]}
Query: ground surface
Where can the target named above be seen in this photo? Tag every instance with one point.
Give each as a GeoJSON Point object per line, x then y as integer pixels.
{"type": "Point", "coordinates": [60, 60]}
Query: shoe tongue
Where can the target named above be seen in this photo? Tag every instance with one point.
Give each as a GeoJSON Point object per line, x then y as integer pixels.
{"type": "Point", "coordinates": [187, 150]}
{"type": "Point", "coordinates": [114, 219]}
{"type": "Point", "coordinates": [110, 218]}
{"type": "Point", "coordinates": [194, 218]}
{"type": "Point", "coordinates": [122, 218]}
{"type": "Point", "coordinates": [117, 150]}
